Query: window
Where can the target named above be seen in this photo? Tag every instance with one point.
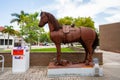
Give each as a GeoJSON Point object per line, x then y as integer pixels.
{"type": "Point", "coordinates": [6, 41]}
{"type": "Point", "coordinates": [1, 41]}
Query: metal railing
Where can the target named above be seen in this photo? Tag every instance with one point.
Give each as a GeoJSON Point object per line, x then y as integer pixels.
{"type": "Point", "coordinates": [2, 61]}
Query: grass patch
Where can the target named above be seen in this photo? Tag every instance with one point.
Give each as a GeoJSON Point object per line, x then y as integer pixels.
{"type": "Point", "coordinates": [51, 50]}
{"type": "Point", "coordinates": [44, 50]}
{"type": "Point", "coordinates": [5, 51]}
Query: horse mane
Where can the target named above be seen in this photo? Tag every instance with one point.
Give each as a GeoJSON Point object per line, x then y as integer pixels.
{"type": "Point", "coordinates": [54, 21]}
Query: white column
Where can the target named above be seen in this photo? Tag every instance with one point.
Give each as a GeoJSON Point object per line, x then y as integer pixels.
{"type": "Point", "coordinates": [4, 40]}
{"type": "Point", "coordinates": [13, 41]}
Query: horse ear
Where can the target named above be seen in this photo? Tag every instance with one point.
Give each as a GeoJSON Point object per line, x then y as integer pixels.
{"type": "Point", "coordinates": [41, 12]}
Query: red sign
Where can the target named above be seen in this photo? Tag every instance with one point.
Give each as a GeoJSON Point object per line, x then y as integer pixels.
{"type": "Point", "coordinates": [18, 52]}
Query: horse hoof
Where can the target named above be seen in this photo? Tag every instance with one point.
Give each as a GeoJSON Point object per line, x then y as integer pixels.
{"type": "Point", "coordinates": [86, 62]}
{"type": "Point", "coordinates": [91, 63]}
{"type": "Point", "coordinates": [57, 64]}
{"type": "Point", "coordinates": [62, 63]}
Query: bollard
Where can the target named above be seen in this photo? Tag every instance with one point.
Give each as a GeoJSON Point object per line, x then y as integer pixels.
{"type": "Point", "coordinates": [96, 68]}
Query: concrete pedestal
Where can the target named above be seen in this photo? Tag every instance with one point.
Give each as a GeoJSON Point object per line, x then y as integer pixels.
{"type": "Point", "coordinates": [72, 70]}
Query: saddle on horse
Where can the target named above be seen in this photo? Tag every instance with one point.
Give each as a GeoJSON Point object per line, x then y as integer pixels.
{"type": "Point", "coordinates": [67, 29]}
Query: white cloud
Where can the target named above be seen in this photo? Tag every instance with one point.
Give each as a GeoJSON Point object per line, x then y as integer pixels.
{"type": "Point", "coordinates": [69, 7]}
{"type": "Point", "coordinates": [115, 15]}
{"type": "Point", "coordinates": [75, 8]}
{"type": "Point", "coordinates": [114, 18]}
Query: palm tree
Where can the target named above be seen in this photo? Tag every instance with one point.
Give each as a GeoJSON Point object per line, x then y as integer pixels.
{"type": "Point", "coordinates": [10, 31]}
{"type": "Point", "coordinates": [20, 18]}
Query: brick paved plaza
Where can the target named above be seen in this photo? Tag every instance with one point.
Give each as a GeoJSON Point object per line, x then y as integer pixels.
{"type": "Point", "coordinates": [111, 70]}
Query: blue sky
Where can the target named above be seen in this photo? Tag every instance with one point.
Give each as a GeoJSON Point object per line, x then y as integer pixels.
{"type": "Point", "coordinates": [102, 11]}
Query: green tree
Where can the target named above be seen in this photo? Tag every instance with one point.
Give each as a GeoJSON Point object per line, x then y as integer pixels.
{"type": "Point", "coordinates": [44, 37]}
{"type": "Point", "coordinates": [28, 26]}
{"type": "Point", "coordinates": [31, 31]}
{"type": "Point", "coordinates": [84, 21]}
{"type": "Point", "coordinates": [20, 19]}
{"type": "Point", "coordinates": [10, 31]}
{"type": "Point", "coordinates": [66, 20]}
{"type": "Point", "coordinates": [80, 21]}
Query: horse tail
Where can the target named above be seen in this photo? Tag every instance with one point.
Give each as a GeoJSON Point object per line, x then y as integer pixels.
{"type": "Point", "coordinates": [96, 42]}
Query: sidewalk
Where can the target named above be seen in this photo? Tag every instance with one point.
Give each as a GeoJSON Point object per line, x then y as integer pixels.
{"type": "Point", "coordinates": [111, 70]}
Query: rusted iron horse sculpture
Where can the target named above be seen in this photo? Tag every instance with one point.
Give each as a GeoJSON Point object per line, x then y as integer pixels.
{"type": "Point", "coordinates": [86, 36]}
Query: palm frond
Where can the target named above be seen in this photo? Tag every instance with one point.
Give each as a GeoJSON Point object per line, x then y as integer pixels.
{"type": "Point", "coordinates": [16, 15]}
{"type": "Point", "coordinates": [23, 13]}
{"type": "Point", "coordinates": [15, 20]}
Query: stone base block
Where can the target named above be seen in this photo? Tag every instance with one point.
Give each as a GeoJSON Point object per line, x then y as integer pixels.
{"type": "Point", "coordinates": [73, 70]}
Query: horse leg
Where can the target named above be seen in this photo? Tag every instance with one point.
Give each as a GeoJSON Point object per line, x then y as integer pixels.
{"type": "Point", "coordinates": [59, 60]}
{"type": "Point", "coordinates": [90, 52]}
{"type": "Point", "coordinates": [58, 54]}
{"type": "Point", "coordinates": [86, 51]}
{"type": "Point", "coordinates": [86, 55]}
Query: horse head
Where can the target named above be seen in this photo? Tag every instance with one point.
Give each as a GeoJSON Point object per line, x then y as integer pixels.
{"type": "Point", "coordinates": [43, 20]}
{"type": "Point", "coordinates": [50, 19]}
